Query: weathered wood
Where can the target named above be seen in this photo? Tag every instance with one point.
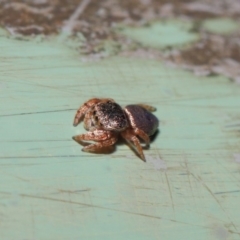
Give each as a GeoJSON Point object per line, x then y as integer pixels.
{"type": "Point", "coordinates": [188, 189]}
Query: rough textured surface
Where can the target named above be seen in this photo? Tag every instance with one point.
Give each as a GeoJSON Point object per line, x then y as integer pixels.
{"type": "Point", "coordinates": [103, 28]}
{"type": "Point", "coordinates": [50, 190]}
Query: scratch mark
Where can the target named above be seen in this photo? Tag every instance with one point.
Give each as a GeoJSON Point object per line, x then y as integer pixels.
{"type": "Point", "coordinates": [56, 156]}
{"type": "Point", "coordinates": [234, 232]}
{"type": "Point", "coordinates": [147, 188]}
{"type": "Point", "coordinates": [29, 113]}
{"type": "Point", "coordinates": [40, 148]}
{"type": "Point", "coordinates": [230, 173]}
{"type": "Point", "coordinates": [17, 177]}
{"type": "Point", "coordinates": [34, 68]}
{"type": "Point", "coordinates": [214, 197]}
{"type": "Point", "coordinates": [21, 165]}
{"type": "Point", "coordinates": [76, 191]}
{"type": "Point", "coordinates": [233, 125]}
{"type": "Point", "coordinates": [33, 221]}
{"type": "Point", "coordinates": [69, 25]}
{"type": "Point", "coordinates": [189, 179]}
{"type": "Point", "coordinates": [106, 208]}
{"type": "Point", "coordinates": [170, 192]}
{"type": "Point", "coordinates": [227, 192]}
{"type": "Point", "coordinates": [39, 140]}
{"type": "Point", "coordinates": [37, 84]}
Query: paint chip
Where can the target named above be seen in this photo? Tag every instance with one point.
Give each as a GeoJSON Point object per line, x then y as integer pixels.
{"type": "Point", "coordinates": [236, 157]}
{"type": "Point", "coordinates": [157, 162]}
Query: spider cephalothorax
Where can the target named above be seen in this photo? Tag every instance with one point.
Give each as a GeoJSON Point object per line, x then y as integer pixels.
{"type": "Point", "coordinates": [105, 120]}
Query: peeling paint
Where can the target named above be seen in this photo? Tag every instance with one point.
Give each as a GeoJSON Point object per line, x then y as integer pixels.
{"type": "Point", "coordinates": [162, 34]}
{"type": "Point", "coordinates": [221, 25]}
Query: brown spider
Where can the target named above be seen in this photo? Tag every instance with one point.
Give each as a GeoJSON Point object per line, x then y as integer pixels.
{"type": "Point", "coordinates": [105, 120]}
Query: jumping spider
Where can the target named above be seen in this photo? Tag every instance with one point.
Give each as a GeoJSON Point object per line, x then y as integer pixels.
{"type": "Point", "coordinates": [105, 120]}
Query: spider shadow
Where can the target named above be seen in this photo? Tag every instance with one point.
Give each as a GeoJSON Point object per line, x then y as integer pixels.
{"type": "Point", "coordinates": [154, 136]}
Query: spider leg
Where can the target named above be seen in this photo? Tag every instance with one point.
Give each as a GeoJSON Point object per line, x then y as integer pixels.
{"type": "Point", "coordinates": [142, 135]}
{"type": "Point", "coordinates": [96, 135]}
{"type": "Point", "coordinates": [103, 138]}
{"type": "Point", "coordinates": [83, 109]}
{"type": "Point", "coordinates": [147, 107]}
{"type": "Point", "coordinates": [96, 147]}
{"type": "Point", "coordinates": [130, 137]}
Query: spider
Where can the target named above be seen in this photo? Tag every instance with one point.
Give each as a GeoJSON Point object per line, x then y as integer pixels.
{"type": "Point", "coordinates": [105, 120]}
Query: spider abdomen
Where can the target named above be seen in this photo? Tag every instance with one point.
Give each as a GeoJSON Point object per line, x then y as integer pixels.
{"type": "Point", "coordinates": [142, 119]}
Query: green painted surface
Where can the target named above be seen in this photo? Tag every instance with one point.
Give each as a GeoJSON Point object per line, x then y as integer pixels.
{"type": "Point", "coordinates": [221, 26]}
{"type": "Point", "coordinates": [188, 189]}
{"type": "Point", "coordinates": [162, 34]}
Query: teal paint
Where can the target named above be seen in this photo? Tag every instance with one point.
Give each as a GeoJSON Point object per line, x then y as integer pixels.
{"type": "Point", "coordinates": [221, 26]}
{"type": "Point", "coordinates": [51, 190]}
{"type": "Point", "coordinates": [172, 33]}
